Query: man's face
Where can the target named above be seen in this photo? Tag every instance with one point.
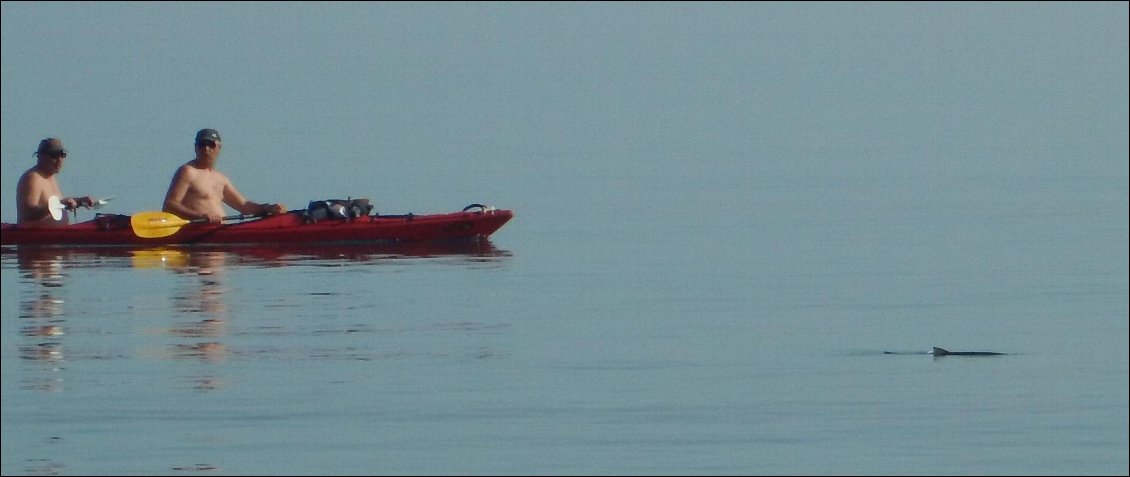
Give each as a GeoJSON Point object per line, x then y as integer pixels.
{"type": "Point", "coordinates": [52, 162]}
{"type": "Point", "coordinates": [208, 149]}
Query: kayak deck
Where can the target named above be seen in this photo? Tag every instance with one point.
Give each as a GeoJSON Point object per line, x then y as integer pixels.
{"type": "Point", "coordinates": [289, 228]}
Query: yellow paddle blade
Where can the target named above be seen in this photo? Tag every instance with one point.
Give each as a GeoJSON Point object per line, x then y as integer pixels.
{"type": "Point", "coordinates": [156, 224]}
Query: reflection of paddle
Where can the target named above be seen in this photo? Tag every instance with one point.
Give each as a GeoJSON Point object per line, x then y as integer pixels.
{"type": "Point", "coordinates": [164, 224]}
{"type": "Point", "coordinates": [159, 258]}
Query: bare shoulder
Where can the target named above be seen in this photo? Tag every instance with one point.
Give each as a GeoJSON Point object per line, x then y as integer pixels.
{"type": "Point", "coordinates": [24, 183]}
{"type": "Point", "coordinates": [186, 171]}
{"type": "Point", "coordinates": [30, 177]}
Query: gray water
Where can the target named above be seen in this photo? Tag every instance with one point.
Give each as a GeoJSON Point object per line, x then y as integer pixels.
{"type": "Point", "coordinates": [725, 214]}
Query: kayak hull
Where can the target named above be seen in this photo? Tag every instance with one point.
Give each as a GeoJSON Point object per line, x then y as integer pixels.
{"type": "Point", "coordinates": [289, 228]}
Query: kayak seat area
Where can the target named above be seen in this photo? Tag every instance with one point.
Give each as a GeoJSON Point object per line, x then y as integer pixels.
{"type": "Point", "coordinates": [112, 221]}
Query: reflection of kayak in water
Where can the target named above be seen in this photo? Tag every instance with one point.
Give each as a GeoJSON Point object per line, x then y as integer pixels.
{"type": "Point", "coordinates": [284, 254]}
{"type": "Point", "coordinates": [293, 227]}
{"type": "Point", "coordinates": [47, 262]}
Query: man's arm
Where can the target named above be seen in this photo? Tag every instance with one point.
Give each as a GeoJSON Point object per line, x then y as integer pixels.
{"type": "Point", "coordinates": [233, 198]}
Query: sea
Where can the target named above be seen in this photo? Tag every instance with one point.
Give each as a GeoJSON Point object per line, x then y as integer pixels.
{"type": "Point", "coordinates": [784, 332]}
{"type": "Point", "coordinates": [739, 230]}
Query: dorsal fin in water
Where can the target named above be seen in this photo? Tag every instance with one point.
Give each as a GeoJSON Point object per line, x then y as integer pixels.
{"type": "Point", "coordinates": [942, 352]}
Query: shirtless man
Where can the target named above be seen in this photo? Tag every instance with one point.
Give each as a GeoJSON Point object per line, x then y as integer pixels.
{"type": "Point", "coordinates": [199, 191]}
{"type": "Point", "coordinates": [38, 184]}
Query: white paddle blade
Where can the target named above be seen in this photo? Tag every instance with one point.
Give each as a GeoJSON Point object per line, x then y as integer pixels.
{"type": "Point", "coordinates": [56, 207]}
{"type": "Point", "coordinates": [100, 202]}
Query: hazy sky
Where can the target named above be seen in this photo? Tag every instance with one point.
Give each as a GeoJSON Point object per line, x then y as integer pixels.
{"type": "Point", "coordinates": [308, 94]}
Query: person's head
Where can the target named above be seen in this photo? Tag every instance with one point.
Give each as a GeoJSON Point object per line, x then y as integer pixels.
{"type": "Point", "coordinates": [208, 143]}
{"type": "Point", "coordinates": [50, 155]}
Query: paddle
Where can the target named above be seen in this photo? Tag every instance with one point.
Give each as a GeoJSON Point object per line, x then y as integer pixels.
{"type": "Point", "coordinates": [100, 202]}
{"type": "Point", "coordinates": [56, 206]}
{"type": "Point", "coordinates": [164, 224]}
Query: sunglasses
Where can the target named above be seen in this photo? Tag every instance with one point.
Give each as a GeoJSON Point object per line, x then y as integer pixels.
{"type": "Point", "coordinates": [58, 155]}
{"type": "Point", "coordinates": [208, 144]}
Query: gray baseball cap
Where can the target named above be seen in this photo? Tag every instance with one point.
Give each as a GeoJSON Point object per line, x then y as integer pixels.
{"type": "Point", "coordinates": [50, 146]}
{"type": "Point", "coordinates": [208, 135]}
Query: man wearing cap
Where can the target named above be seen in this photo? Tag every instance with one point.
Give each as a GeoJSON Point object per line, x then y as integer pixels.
{"type": "Point", "coordinates": [199, 191]}
{"type": "Point", "coordinates": [38, 185]}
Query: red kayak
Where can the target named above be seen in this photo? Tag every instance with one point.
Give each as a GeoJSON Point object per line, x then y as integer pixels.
{"type": "Point", "coordinates": [294, 227]}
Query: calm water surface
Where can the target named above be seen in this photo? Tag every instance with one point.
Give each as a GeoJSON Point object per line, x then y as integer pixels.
{"type": "Point", "coordinates": [725, 214]}
{"type": "Point", "coordinates": [663, 340]}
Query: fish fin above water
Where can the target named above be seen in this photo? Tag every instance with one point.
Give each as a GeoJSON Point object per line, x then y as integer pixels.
{"type": "Point", "coordinates": [942, 352]}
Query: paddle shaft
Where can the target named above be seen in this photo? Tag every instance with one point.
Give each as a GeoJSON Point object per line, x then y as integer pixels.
{"type": "Point", "coordinates": [225, 218]}
{"type": "Point", "coordinates": [163, 224]}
